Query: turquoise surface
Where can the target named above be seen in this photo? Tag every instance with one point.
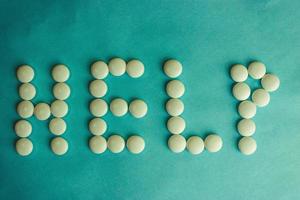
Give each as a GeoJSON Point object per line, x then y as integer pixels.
{"type": "Point", "coordinates": [207, 37]}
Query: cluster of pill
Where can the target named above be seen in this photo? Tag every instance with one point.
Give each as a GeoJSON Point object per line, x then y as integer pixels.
{"type": "Point", "coordinates": [259, 98]}
{"type": "Point", "coordinates": [176, 124]}
{"type": "Point", "coordinates": [118, 106]}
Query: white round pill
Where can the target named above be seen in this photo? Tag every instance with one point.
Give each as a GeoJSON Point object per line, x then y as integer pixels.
{"type": "Point", "coordinates": [172, 68]}
{"type": "Point", "coordinates": [247, 109]}
{"type": "Point", "coordinates": [115, 143]}
{"type": "Point", "coordinates": [176, 125]}
{"type": "Point", "coordinates": [59, 108]}
{"type": "Point", "coordinates": [57, 126]}
{"type": "Point", "coordinates": [97, 126]}
{"type": "Point", "coordinates": [174, 107]}
{"type": "Point", "coordinates": [270, 82]}
{"type": "Point", "coordinates": [246, 127]}
{"type": "Point", "coordinates": [98, 88]}
{"type": "Point", "coordinates": [27, 91]}
{"type": "Point", "coordinates": [117, 66]}
{"type": "Point", "coordinates": [61, 91]}
{"type": "Point", "coordinates": [175, 88]}
{"type": "Point", "coordinates": [23, 128]}
{"type": "Point", "coordinates": [42, 111]}
{"type": "Point", "coordinates": [135, 68]}
{"type": "Point", "coordinates": [24, 147]}
{"type": "Point", "coordinates": [247, 145]}
{"type": "Point", "coordinates": [60, 73]}
{"type": "Point", "coordinates": [25, 109]}
{"type": "Point", "coordinates": [195, 145]}
{"type": "Point", "coordinates": [138, 108]}
{"type": "Point", "coordinates": [97, 144]}
{"type": "Point", "coordinates": [99, 70]}
{"type": "Point", "coordinates": [261, 97]}
{"type": "Point", "coordinates": [241, 91]}
{"type": "Point", "coordinates": [177, 143]}
{"type": "Point", "coordinates": [256, 70]}
{"type": "Point", "coordinates": [135, 144]}
{"type": "Point", "coordinates": [59, 146]}
{"type": "Point", "coordinates": [118, 107]}
{"type": "Point", "coordinates": [25, 73]}
{"type": "Point", "coordinates": [239, 73]}
{"type": "Point", "coordinates": [213, 143]}
{"type": "Point", "coordinates": [98, 107]}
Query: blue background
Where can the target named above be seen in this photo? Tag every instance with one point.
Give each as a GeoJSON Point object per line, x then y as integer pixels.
{"type": "Point", "coordinates": [207, 37]}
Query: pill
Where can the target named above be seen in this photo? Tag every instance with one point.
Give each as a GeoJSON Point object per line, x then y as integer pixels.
{"type": "Point", "coordinates": [138, 108]}
{"type": "Point", "coordinates": [23, 128]}
{"type": "Point", "coordinates": [175, 88]}
{"type": "Point", "coordinates": [97, 144]}
{"type": "Point", "coordinates": [174, 107]}
{"type": "Point", "coordinates": [256, 70]}
{"type": "Point", "coordinates": [42, 111]}
{"type": "Point", "coordinates": [98, 88]}
{"type": "Point", "coordinates": [213, 143]}
{"type": "Point", "coordinates": [176, 125]}
{"type": "Point", "coordinates": [60, 73]}
{"type": "Point", "coordinates": [247, 145]}
{"type": "Point", "coordinates": [61, 91]}
{"type": "Point", "coordinates": [59, 146]}
{"type": "Point", "coordinates": [246, 127]}
{"type": "Point", "coordinates": [135, 68]}
{"type": "Point", "coordinates": [24, 146]}
{"type": "Point", "coordinates": [261, 97]}
{"type": "Point", "coordinates": [241, 91]}
{"type": "Point", "coordinates": [239, 73]}
{"type": "Point", "coordinates": [99, 70]}
{"type": "Point", "coordinates": [176, 143]}
{"type": "Point", "coordinates": [97, 126]}
{"type": "Point", "coordinates": [59, 108]}
{"type": "Point", "coordinates": [117, 66]}
{"type": "Point", "coordinates": [195, 145]}
{"type": "Point", "coordinates": [115, 143]}
{"type": "Point", "coordinates": [27, 91]}
{"type": "Point", "coordinates": [270, 82]}
{"type": "Point", "coordinates": [247, 109]}
{"type": "Point", "coordinates": [57, 126]}
{"type": "Point", "coordinates": [118, 107]}
{"type": "Point", "coordinates": [172, 68]}
{"type": "Point", "coordinates": [135, 144]}
{"type": "Point", "coordinates": [25, 73]}
{"type": "Point", "coordinates": [98, 107]}
{"type": "Point", "coordinates": [25, 109]}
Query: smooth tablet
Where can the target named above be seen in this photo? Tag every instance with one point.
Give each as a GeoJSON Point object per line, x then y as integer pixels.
{"type": "Point", "coordinates": [25, 73]}
{"type": "Point", "coordinates": [97, 126]}
{"type": "Point", "coordinates": [213, 143]}
{"type": "Point", "coordinates": [135, 144]}
{"type": "Point", "coordinates": [60, 73]}
{"type": "Point", "coordinates": [24, 147]}
{"type": "Point", "coordinates": [42, 111]}
{"type": "Point", "coordinates": [256, 70]}
{"type": "Point", "coordinates": [25, 109]}
{"type": "Point", "coordinates": [177, 143]}
{"type": "Point", "coordinates": [270, 82]}
{"type": "Point", "coordinates": [99, 70]}
{"type": "Point", "coordinates": [239, 73]}
{"type": "Point", "coordinates": [195, 145]}
{"type": "Point", "coordinates": [115, 143]}
{"type": "Point", "coordinates": [59, 108]}
{"type": "Point", "coordinates": [57, 126]}
{"type": "Point", "coordinates": [175, 88]}
{"type": "Point", "coordinates": [247, 145]}
{"type": "Point", "coordinates": [97, 144]}
{"type": "Point", "coordinates": [247, 109]}
{"type": "Point", "coordinates": [98, 88]}
{"type": "Point", "coordinates": [176, 125]}
{"type": "Point", "coordinates": [246, 127]}
{"type": "Point", "coordinates": [135, 68]}
{"type": "Point", "coordinates": [23, 128]}
{"type": "Point", "coordinates": [261, 97]}
{"type": "Point", "coordinates": [241, 91]}
{"type": "Point", "coordinates": [118, 107]}
{"type": "Point", "coordinates": [98, 107]}
{"type": "Point", "coordinates": [138, 108]}
{"type": "Point", "coordinates": [27, 91]}
{"type": "Point", "coordinates": [59, 146]}
{"type": "Point", "coordinates": [117, 66]}
{"type": "Point", "coordinates": [172, 68]}
{"type": "Point", "coordinates": [61, 91]}
{"type": "Point", "coordinates": [174, 107]}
